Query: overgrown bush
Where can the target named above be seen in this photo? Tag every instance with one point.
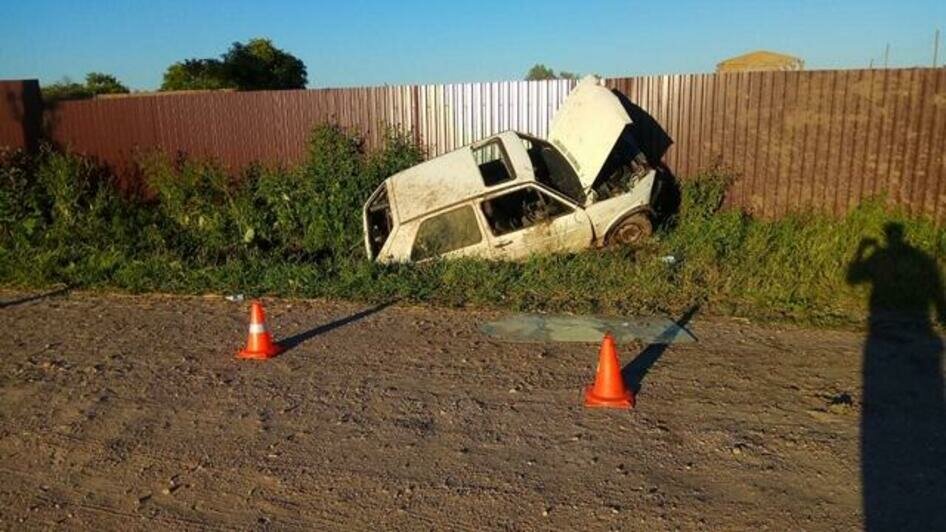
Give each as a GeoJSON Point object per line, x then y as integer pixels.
{"type": "Point", "coordinates": [205, 214]}
{"type": "Point", "coordinates": [298, 232]}
{"type": "Point", "coordinates": [316, 209]}
{"type": "Point", "coordinates": [64, 221]}
{"type": "Point", "coordinates": [22, 201]}
{"type": "Point", "coordinates": [309, 213]}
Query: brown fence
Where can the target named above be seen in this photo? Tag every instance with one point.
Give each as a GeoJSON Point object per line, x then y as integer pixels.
{"type": "Point", "coordinates": [797, 141]}
{"type": "Point", "coordinates": [821, 140]}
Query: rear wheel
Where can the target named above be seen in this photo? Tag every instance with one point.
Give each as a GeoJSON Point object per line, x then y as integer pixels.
{"type": "Point", "coordinates": [631, 230]}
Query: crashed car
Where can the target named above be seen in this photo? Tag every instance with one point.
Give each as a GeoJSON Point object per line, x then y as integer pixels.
{"type": "Point", "coordinates": [513, 195]}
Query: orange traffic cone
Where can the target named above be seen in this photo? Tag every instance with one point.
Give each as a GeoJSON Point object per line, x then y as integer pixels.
{"type": "Point", "coordinates": [259, 344]}
{"type": "Point", "coordinates": [609, 389]}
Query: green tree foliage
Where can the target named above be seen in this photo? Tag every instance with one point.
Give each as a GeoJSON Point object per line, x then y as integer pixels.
{"type": "Point", "coordinates": [196, 74]}
{"type": "Point", "coordinates": [65, 89]}
{"type": "Point", "coordinates": [254, 65]}
{"type": "Point", "coordinates": [541, 72]}
{"type": "Point", "coordinates": [99, 83]}
{"type": "Point", "coordinates": [258, 65]}
{"type": "Point", "coordinates": [95, 83]}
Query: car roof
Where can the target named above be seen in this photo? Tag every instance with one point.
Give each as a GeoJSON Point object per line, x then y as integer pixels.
{"type": "Point", "coordinates": [446, 180]}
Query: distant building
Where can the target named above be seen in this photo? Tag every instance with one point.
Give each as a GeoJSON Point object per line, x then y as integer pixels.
{"type": "Point", "coordinates": [760, 60]}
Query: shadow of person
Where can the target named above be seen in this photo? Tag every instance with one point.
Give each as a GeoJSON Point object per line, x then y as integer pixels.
{"type": "Point", "coordinates": [903, 420]}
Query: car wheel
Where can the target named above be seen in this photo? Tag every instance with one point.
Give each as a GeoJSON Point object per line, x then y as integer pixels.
{"type": "Point", "coordinates": [631, 230]}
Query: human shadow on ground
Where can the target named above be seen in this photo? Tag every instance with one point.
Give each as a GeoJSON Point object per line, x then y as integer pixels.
{"type": "Point", "coordinates": [295, 340]}
{"type": "Point", "coordinates": [34, 297]}
{"type": "Point", "coordinates": [635, 371]}
{"type": "Point", "coordinates": [903, 418]}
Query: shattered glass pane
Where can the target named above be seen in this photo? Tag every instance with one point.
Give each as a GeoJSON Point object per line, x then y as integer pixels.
{"type": "Point", "coordinates": [562, 328]}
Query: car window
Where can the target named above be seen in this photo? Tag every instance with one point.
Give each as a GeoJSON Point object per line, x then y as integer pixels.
{"type": "Point", "coordinates": [446, 232]}
{"type": "Point", "coordinates": [378, 214]}
{"type": "Point", "coordinates": [493, 163]}
{"type": "Point", "coordinates": [552, 169]}
{"type": "Point", "coordinates": [520, 209]}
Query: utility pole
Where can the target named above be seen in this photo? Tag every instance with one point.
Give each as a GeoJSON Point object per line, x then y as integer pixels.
{"type": "Point", "coordinates": [887, 55]}
{"type": "Point", "coordinates": [935, 47]}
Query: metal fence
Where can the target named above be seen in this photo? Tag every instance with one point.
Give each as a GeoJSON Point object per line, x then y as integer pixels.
{"type": "Point", "coordinates": [796, 141]}
{"type": "Point", "coordinates": [271, 126]}
{"type": "Point", "coordinates": [800, 141]}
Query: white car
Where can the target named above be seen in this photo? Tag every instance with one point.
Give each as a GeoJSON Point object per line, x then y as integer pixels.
{"type": "Point", "coordinates": [512, 195]}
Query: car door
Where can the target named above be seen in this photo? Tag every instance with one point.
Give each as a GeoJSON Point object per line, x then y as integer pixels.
{"type": "Point", "coordinates": [452, 233]}
{"type": "Point", "coordinates": [530, 220]}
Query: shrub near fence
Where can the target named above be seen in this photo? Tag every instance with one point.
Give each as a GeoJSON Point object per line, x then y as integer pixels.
{"type": "Point", "coordinates": [795, 141]}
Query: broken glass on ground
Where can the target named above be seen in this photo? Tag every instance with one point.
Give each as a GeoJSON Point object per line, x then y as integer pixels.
{"type": "Point", "coordinates": [529, 328]}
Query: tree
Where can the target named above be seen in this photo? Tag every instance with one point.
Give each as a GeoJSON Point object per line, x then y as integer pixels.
{"type": "Point", "coordinates": [95, 83]}
{"type": "Point", "coordinates": [196, 74]}
{"type": "Point", "coordinates": [540, 72]}
{"type": "Point", "coordinates": [254, 65]}
{"type": "Point", "coordinates": [64, 89]}
{"type": "Point", "coordinates": [258, 65]}
{"type": "Point", "coordinates": [99, 83]}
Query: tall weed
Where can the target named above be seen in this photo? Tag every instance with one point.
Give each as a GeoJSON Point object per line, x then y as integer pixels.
{"type": "Point", "coordinates": [298, 232]}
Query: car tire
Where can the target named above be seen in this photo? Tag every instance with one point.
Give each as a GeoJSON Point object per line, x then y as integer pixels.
{"type": "Point", "coordinates": [630, 231]}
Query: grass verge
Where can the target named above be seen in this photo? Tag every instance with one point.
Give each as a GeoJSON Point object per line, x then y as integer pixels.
{"type": "Point", "coordinates": [297, 232]}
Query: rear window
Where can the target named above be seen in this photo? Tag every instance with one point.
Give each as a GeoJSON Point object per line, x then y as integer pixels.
{"type": "Point", "coordinates": [379, 221]}
{"type": "Point", "coordinates": [493, 162]}
{"type": "Point", "coordinates": [446, 232]}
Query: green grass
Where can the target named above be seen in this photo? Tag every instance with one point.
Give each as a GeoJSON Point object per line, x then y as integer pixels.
{"type": "Point", "coordinates": [297, 232]}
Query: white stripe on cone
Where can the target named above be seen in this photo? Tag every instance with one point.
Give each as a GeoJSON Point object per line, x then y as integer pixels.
{"type": "Point", "coordinates": [257, 328]}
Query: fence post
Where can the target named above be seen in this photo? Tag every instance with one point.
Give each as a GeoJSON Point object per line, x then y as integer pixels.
{"type": "Point", "coordinates": [21, 114]}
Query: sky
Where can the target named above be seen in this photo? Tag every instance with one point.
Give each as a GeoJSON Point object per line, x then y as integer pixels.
{"type": "Point", "coordinates": [357, 43]}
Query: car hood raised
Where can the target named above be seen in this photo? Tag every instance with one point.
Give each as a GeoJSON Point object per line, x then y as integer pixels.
{"type": "Point", "coordinates": [587, 126]}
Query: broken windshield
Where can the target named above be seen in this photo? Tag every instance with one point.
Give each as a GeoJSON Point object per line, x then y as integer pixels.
{"type": "Point", "coordinates": [552, 169]}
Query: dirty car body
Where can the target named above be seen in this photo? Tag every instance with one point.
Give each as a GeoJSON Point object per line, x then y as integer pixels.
{"type": "Point", "coordinates": [513, 195]}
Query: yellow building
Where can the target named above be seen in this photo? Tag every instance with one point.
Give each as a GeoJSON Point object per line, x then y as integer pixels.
{"type": "Point", "coordinates": [760, 60]}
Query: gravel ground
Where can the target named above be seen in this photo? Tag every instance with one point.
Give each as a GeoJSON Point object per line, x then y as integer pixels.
{"type": "Point", "coordinates": [130, 412]}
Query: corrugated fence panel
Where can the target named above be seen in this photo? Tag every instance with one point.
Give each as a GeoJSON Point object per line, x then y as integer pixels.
{"type": "Point", "coordinates": [806, 141]}
{"type": "Point", "coordinates": [795, 141]}
{"type": "Point", "coordinates": [451, 116]}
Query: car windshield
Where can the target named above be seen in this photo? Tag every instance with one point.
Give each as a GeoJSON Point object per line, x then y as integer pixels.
{"type": "Point", "coordinates": [552, 169]}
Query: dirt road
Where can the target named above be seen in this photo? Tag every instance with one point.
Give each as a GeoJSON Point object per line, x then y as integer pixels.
{"type": "Point", "coordinates": [125, 412]}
